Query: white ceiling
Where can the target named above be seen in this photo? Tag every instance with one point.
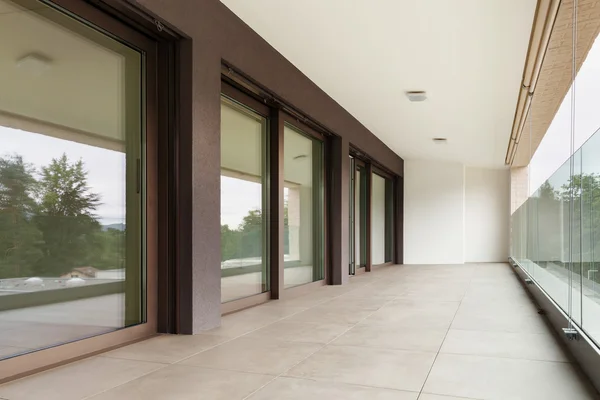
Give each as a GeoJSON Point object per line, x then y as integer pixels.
{"type": "Point", "coordinates": [467, 54]}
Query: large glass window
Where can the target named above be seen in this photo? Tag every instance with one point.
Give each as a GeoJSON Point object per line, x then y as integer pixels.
{"type": "Point", "coordinates": [358, 216]}
{"type": "Point", "coordinates": [303, 205]}
{"type": "Point", "coordinates": [244, 265]}
{"type": "Point", "coordinates": [382, 220]}
{"type": "Point", "coordinates": [72, 172]}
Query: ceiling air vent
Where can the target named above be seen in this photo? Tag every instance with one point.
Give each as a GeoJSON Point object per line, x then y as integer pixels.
{"type": "Point", "coordinates": [440, 140]}
{"type": "Point", "coordinates": [416, 95]}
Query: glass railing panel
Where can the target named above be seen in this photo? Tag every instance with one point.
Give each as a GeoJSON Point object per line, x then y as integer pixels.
{"type": "Point", "coordinates": [589, 181]}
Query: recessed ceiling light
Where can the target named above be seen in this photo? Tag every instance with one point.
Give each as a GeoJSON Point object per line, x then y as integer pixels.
{"type": "Point", "coordinates": [440, 140]}
{"type": "Point", "coordinates": [34, 63]}
{"type": "Point", "coordinates": [416, 95]}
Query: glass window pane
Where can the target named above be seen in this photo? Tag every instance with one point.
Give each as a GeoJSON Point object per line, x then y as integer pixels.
{"type": "Point", "coordinates": [361, 214]}
{"type": "Point", "coordinates": [244, 266]}
{"type": "Point", "coordinates": [303, 220]}
{"type": "Point", "coordinates": [389, 220]}
{"type": "Point", "coordinates": [378, 220]}
{"type": "Point", "coordinates": [71, 217]}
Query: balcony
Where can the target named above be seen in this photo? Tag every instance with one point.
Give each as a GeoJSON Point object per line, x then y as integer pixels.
{"type": "Point", "coordinates": [438, 332]}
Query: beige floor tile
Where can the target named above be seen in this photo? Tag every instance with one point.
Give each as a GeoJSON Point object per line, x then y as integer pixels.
{"type": "Point", "coordinates": [504, 379]}
{"type": "Point", "coordinates": [438, 295]}
{"type": "Point", "coordinates": [242, 322]}
{"type": "Point", "coordinates": [302, 389]}
{"type": "Point", "coordinates": [529, 346]}
{"type": "Point", "coordinates": [263, 356]}
{"type": "Point", "coordinates": [359, 303]}
{"type": "Point", "coordinates": [499, 305]}
{"type": "Point", "coordinates": [328, 314]}
{"type": "Point", "coordinates": [167, 348]}
{"type": "Point", "coordinates": [393, 337]}
{"type": "Point", "coordinates": [384, 368]}
{"type": "Point", "coordinates": [179, 382]}
{"type": "Point", "coordinates": [416, 314]}
{"type": "Point", "coordinates": [307, 332]}
{"type": "Point", "coordinates": [499, 321]}
{"type": "Point", "coordinates": [427, 396]}
{"type": "Point", "coordinates": [77, 380]}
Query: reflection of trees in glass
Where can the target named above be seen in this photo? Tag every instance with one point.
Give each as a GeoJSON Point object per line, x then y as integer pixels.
{"type": "Point", "coordinates": [48, 226]}
{"type": "Point", "coordinates": [546, 191]}
{"type": "Point", "coordinates": [19, 236]}
{"type": "Point", "coordinates": [246, 241]}
{"type": "Point", "coordinates": [65, 216]}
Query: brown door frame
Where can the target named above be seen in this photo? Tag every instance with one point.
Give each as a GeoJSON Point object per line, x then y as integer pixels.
{"type": "Point", "coordinates": [157, 211]}
{"type": "Point", "coordinates": [277, 118]}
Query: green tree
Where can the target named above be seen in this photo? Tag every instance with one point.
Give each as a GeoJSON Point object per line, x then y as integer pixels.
{"type": "Point", "coordinates": [19, 237]}
{"type": "Point", "coordinates": [546, 191]}
{"type": "Point", "coordinates": [66, 217]}
{"type": "Point", "coordinates": [581, 196]}
{"type": "Point", "coordinates": [106, 249]}
{"type": "Point", "coordinates": [229, 243]}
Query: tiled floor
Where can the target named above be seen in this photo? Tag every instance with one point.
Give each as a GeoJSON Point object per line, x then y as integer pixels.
{"type": "Point", "coordinates": [405, 333]}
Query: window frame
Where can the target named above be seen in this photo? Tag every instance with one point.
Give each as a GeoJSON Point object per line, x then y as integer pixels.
{"type": "Point", "coordinates": [245, 100]}
{"type": "Point", "coordinates": [306, 130]}
{"type": "Point", "coordinates": [392, 179]}
{"type": "Point", "coordinates": [60, 353]}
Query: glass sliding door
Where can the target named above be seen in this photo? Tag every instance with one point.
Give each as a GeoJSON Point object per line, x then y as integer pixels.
{"type": "Point", "coordinates": [304, 227]}
{"type": "Point", "coordinates": [352, 252]}
{"type": "Point", "coordinates": [244, 264]}
{"type": "Point", "coordinates": [72, 180]}
{"type": "Point", "coordinates": [361, 214]}
{"type": "Point", "coordinates": [378, 220]}
{"type": "Point", "coordinates": [389, 220]}
{"type": "Point", "coordinates": [382, 219]}
{"type": "Point", "coordinates": [358, 216]}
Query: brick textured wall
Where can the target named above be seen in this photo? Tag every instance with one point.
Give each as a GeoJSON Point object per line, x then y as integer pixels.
{"type": "Point", "coordinates": [519, 187]}
{"type": "Point", "coordinates": [557, 71]}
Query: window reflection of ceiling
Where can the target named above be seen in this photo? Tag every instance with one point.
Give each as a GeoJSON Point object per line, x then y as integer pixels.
{"type": "Point", "coordinates": [50, 74]}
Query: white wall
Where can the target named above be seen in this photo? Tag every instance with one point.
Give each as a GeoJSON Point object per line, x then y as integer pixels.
{"type": "Point", "coordinates": [434, 201]}
{"type": "Point", "coordinates": [487, 210]}
{"type": "Point", "coordinates": [455, 214]}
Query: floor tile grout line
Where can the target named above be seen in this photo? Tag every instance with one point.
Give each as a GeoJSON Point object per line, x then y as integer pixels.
{"type": "Point", "coordinates": [445, 336]}
{"type": "Point", "coordinates": [229, 339]}
{"type": "Point", "coordinates": [310, 355]}
{"type": "Point", "coordinates": [212, 347]}
{"type": "Point", "coordinates": [235, 338]}
{"type": "Point", "coordinates": [508, 358]}
{"type": "Point", "coordinates": [453, 397]}
{"type": "Point", "coordinates": [124, 383]}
